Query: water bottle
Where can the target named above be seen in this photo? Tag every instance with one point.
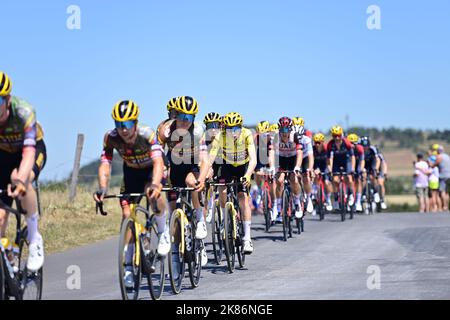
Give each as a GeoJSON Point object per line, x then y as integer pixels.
{"type": "Point", "coordinates": [12, 253]}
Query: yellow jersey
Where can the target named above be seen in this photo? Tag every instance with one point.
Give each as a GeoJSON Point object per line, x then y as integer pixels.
{"type": "Point", "coordinates": [235, 152]}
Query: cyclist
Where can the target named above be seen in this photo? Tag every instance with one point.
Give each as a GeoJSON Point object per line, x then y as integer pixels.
{"type": "Point", "coordinates": [360, 163]}
{"type": "Point", "coordinates": [143, 168]}
{"type": "Point", "coordinates": [171, 109]}
{"type": "Point", "coordinates": [341, 155]}
{"type": "Point", "coordinates": [236, 148]}
{"type": "Point", "coordinates": [184, 140]}
{"type": "Point", "coordinates": [213, 123]}
{"type": "Point", "coordinates": [307, 163]}
{"type": "Point", "coordinates": [382, 178]}
{"type": "Point", "coordinates": [265, 160]}
{"type": "Point", "coordinates": [290, 155]}
{"type": "Point", "coordinates": [372, 165]}
{"type": "Point", "coordinates": [299, 121]}
{"type": "Point", "coordinates": [321, 167]}
{"type": "Point", "coordinates": [22, 157]}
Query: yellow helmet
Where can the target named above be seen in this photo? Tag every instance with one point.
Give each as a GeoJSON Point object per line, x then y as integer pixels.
{"type": "Point", "coordinates": [298, 121]}
{"type": "Point", "coordinates": [232, 119]}
{"type": "Point", "coordinates": [319, 137]}
{"type": "Point", "coordinates": [337, 131]}
{"type": "Point", "coordinates": [435, 147]}
{"type": "Point", "coordinates": [263, 127]}
{"type": "Point", "coordinates": [353, 138]}
{"type": "Point", "coordinates": [212, 117]}
{"type": "Point", "coordinates": [126, 110]}
{"type": "Point", "coordinates": [187, 105]}
{"type": "Point", "coordinates": [274, 127]}
{"type": "Point", "coordinates": [172, 104]}
{"type": "Point", "coordinates": [5, 84]}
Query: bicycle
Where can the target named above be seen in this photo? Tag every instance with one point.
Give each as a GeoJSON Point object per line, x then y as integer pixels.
{"type": "Point", "coordinates": [21, 283]}
{"type": "Point", "coordinates": [183, 226]}
{"type": "Point", "coordinates": [344, 207]}
{"type": "Point", "coordinates": [368, 201]}
{"type": "Point", "coordinates": [232, 227]}
{"type": "Point", "coordinates": [267, 200]}
{"type": "Point", "coordinates": [320, 198]}
{"type": "Point", "coordinates": [216, 233]}
{"type": "Point", "coordinates": [139, 233]}
{"type": "Point", "coordinates": [288, 205]}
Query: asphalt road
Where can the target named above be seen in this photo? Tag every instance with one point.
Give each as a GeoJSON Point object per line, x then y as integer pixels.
{"type": "Point", "coordinates": [385, 256]}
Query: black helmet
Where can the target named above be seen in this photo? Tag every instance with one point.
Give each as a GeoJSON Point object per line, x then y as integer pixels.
{"type": "Point", "coordinates": [365, 141]}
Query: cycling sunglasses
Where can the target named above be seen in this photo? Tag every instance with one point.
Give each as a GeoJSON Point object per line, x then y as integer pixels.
{"type": "Point", "coordinates": [186, 117]}
{"type": "Point", "coordinates": [2, 100]}
{"type": "Point", "coordinates": [125, 124]}
{"type": "Point", "coordinates": [234, 129]}
{"type": "Point", "coordinates": [285, 130]}
{"type": "Point", "coordinates": [337, 136]}
{"type": "Point", "coordinates": [213, 125]}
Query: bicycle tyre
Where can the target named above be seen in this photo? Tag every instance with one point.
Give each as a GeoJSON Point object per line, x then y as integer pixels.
{"type": "Point", "coordinates": [32, 282]}
{"type": "Point", "coordinates": [284, 213]}
{"type": "Point", "coordinates": [156, 278]}
{"type": "Point", "coordinates": [320, 206]}
{"type": "Point", "coordinates": [217, 237]}
{"type": "Point", "coordinates": [2, 278]}
{"type": "Point", "coordinates": [342, 205]}
{"type": "Point", "coordinates": [177, 237]}
{"type": "Point", "coordinates": [229, 238]}
{"type": "Point", "coordinates": [128, 225]}
{"type": "Point", "coordinates": [267, 215]}
{"type": "Point", "coordinates": [195, 263]}
{"type": "Point", "coordinates": [240, 243]}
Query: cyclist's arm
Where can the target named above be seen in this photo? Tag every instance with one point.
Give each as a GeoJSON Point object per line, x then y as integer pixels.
{"type": "Point", "coordinates": [27, 163]}
{"type": "Point", "coordinates": [104, 172]}
{"type": "Point", "coordinates": [353, 163]}
{"type": "Point", "coordinates": [272, 158]}
{"type": "Point", "coordinates": [158, 170]}
{"type": "Point", "coordinates": [378, 165]}
{"type": "Point", "coordinates": [253, 159]}
{"type": "Point", "coordinates": [210, 158]}
{"type": "Point", "coordinates": [311, 162]}
{"type": "Point", "coordinates": [299, 158]}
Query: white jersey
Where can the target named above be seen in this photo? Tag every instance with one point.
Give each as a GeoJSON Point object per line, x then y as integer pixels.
{"type": "Point", "coordinates": [306, 143]}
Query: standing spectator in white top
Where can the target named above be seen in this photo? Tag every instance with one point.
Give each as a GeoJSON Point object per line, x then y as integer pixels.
{"type": "Point", "coordinates": [421, 182]}
{"type": "Point", "coordinates": [433, 185]}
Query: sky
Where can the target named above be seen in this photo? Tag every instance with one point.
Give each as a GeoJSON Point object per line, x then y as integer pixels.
{"type": "Point", "coordinates": [264, 59]}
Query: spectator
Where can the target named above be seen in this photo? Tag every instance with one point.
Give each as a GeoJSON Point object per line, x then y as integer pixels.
{"type": "Point", "coordinates": [421, 183]}
{"type": "Point", "coordinates": [443, 163]}
{"type": "Point", "coordinates": [433, 184]}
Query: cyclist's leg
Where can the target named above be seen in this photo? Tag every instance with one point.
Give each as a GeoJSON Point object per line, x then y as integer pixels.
{"type": "Point", "coordinates": [8, 163]}
{"type": "Point", "coordinates": [279, 191]}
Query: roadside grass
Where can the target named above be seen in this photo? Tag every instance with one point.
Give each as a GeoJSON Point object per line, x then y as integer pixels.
{"type": "Point", "coordinates": [402, 203]}
{"type": "Point", "coordinates": [66, 225]}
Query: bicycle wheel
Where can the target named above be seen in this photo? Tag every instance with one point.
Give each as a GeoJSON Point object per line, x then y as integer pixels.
{"type": "Point", "coordinates": [195, 263]}
{"type": "Point", "coordinates": [177, 251]}
{"type": "Point", "coordinates": [284, 212]}
{"type": "Point", "coordinates": [342, 205]}
{"type": "Point", "coordinates": [153, 265]}
{"type": "Point", "coordinates": [230, 252]}
{"type": "Point", "coordinates": [217, 236]}
{"type": "Point", "coordinates": [129, 260]}
{"type": "Point", "coordinates": [31, 281]}
{"type": "Point", "coordinates": [240, 242]}
{"type": "Point", "coordinates": [267, 216]}
{"type": "Point", "coordinates": [290, 219]}
{"type": "Point", "coordinates": [2, 278]}
{"type": "Point", "coordinates": [320, 206]}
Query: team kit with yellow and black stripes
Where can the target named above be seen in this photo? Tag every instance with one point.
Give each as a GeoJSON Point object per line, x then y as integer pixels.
{"type": "Point", "coordinates": [184, 153]}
